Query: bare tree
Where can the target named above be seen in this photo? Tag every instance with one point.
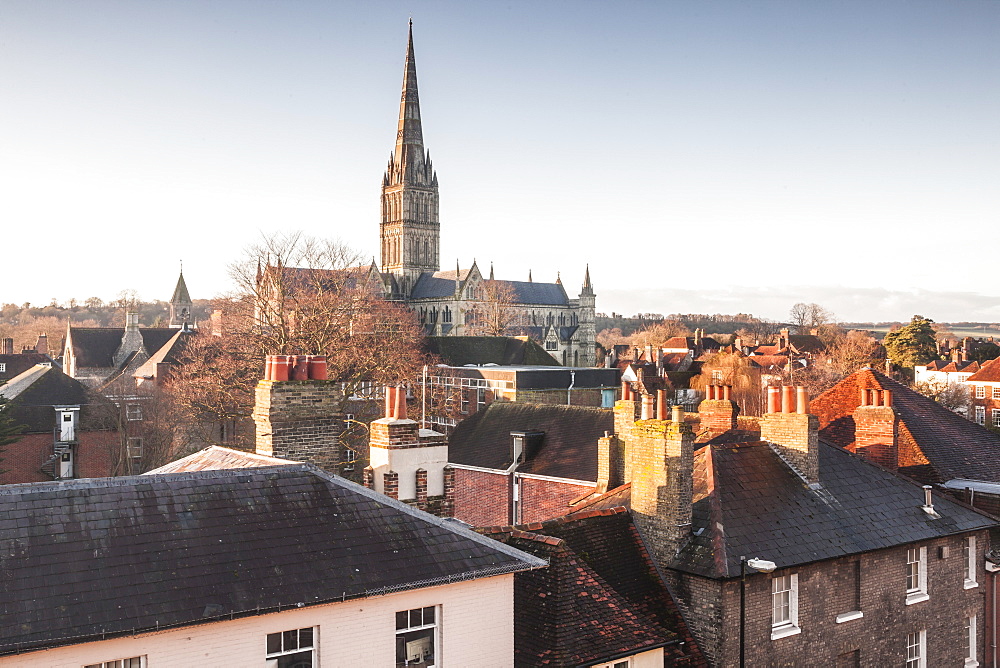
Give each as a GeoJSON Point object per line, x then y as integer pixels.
{"type": "Point", "coordinates": [659, 332]}
{"type": "Point", "coordinates": [953, 396]}
{"type": "Point", "coordinates": [806, 316]}
{"type": "Point", "coordinates": [494, 312]}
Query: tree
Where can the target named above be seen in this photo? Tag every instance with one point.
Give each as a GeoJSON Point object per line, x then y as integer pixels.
{"type": "Point", "coordinates": [806, 316]}
{"type": "Point", "coordinates": [659, 332]}
{"type": "Point", "coordinates": [494, 312]}
{"type": "Point", "coordinates": [953, 396]}
{"type": "Point", "coordinates": [912, 344]}
{"type": "Point", "coordinates": [984, 351]}
{"type": "Point", "coordinates": [297, 295]}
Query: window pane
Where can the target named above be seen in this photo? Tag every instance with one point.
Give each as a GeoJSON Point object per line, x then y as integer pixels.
{"type": "Point", "coordinates": [297, 660]}
{"type": "Point", "coordinates": [306, 637]}
{"type": "Point", "coordinates": [416, 619]}
{"type": "Point", "coordinates": [134, 662]}
{"type": "Point", "coordinates": [273, 643]}
{"type": "Point", "coordinates": [415, 648]}
{"type": "Point", "coordinates": [429, 615]}
{"type": "Point", "coordinates": [402, 620]}
{"type": "Point", "coordinates": [290, 640]}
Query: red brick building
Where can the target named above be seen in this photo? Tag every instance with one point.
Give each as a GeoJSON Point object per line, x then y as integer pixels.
{"type": "Point", "coordinates": [984, 386]}
{"type": "Point", "coordinates": [69, 432]}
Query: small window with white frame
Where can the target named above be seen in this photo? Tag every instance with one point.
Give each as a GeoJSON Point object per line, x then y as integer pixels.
{"type": "Point", "coordinates": [133, 412]}
{"type": "Point", "coordinates": [996, 417]}
{"type": "Point", "coordinates": [970, 642]}
{"type": "Point", "coordinates": [980, 414]}
{"type": "Point", "coordinates": [969, 557]}
{"type": "Point", "coordinates": [784, 605]}
{"type": "Point", "coordinates": [916, 575]}
{"type": "Point", "coordinates": [132, 662]}
{"type": "Point", "coordinates": [134, 447]}
{"type": "Point", "coordinates": [980, 391]}
{"type": "Point", "coordinates": [416, 638]}
{"type": "Point", "coordinates": [3, 367]}
{"type": "Point", "coordinates": [291, 649]}
{"type": "Point", "coordinates": [996, 391]}
{"type": "Point", "coordinates": [916, 649]}
{"type": "Point", "coordinates": [620, 663]}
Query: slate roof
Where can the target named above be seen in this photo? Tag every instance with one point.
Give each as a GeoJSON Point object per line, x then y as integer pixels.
{"type": "Point", "coordinates": [181, 294]}
{"type": "Point", "coordinates": [989, 373]}
{"type": "Point", "coordinates": [34, 392]}
{"type": "Point", "coordinates": [18, 363]}
{"type": "Point", "coordinates": [215, 457]}
{"type": "Point", "coordinates": [747, 501]}
{"type": "Point", "coordinates": [600, 598]}
{"type": "Point", "coordinates": [568, 450]}
{"type": "Point", "coordinates": [166, 354]}
{"type": "Point", "coordinates": [502, 350]}
{"type": "Point", "coordinates": [806, 343]}
{"type": "Point", "coordinates": [952, 366]}
{"type": "Point", "coordinates": [441, 284]}
{"type": "Point", "coordinates": [96, 346]}
{"type": "Point", "coordinates": [935, 444]}
{"type": "Point", "coordinates": [105, 557]}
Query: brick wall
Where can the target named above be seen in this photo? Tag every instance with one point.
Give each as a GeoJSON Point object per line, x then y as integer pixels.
{"type": "Point", "coordinates": [298, 420]}
{"type": "Point", "coordinates": [582, 397]}
{"type": "Point", "coordinates": [544, 499]}
{"type": "Point", "coordinates": [796, 437]}
{"type": "Point", "coordinates": [23, 459]}
{"type": "Point", "coordinates": [874, 581]}
{"type": "Point", "coordinates": [876, 434]}
{"type": "Point", "coordinates": [482, 499]}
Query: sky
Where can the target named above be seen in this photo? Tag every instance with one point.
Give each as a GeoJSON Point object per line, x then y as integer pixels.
{"type": "Point", "coordinates": [701, 157]}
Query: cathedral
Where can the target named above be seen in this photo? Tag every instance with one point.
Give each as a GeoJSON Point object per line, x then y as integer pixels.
{"type": "Point", "coordinates": [462, 301]}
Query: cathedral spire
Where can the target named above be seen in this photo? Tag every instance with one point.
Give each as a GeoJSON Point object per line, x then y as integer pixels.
{"type": "Point", "coordinates": [409, 156]}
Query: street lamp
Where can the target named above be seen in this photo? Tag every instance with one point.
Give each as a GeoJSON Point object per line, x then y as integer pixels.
{"type": "Point", "coordinates": [764, 566]}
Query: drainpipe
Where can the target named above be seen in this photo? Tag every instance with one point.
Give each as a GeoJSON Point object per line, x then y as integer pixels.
{"type": "Point", "coordinates": [569, 390]}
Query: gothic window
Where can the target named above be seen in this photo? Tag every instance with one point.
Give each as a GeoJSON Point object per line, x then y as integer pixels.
{"type": "Point", "coordinates": [562, 319]}
{"type": "Point", "coordinates": [574, 319]}
{"type": "Point", "coordinates": [447, 314]}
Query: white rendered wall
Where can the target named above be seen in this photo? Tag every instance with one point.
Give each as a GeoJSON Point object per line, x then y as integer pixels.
{"type": "Point", "coordinates": [405, 462]}
{"type": "Point", "coordinates": [476, 628]}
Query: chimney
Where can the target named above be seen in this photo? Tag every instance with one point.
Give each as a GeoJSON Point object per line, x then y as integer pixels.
{"type": "Point", "coordinates": [7, 346]}
{"type": "Point", "coordinates": [718, 411]}
{"type": "Point", "coordinates": [876, 428]}
{"type": "Point", "coordinates": [792, 431]}
{"type": "Point", "coordinates": [298, 419]}
{"type": "Point", "coordinates": [956, 354]}
{"type": "Point", "coordinates": [407, 463]}
{"type": "Point", "coordinates": [649, 353]}
{"type": "Point", "coordinates": [697, 336]}
{"type": "Point", "coordinates": [783, 339]}
{"type": "Point", "coordinates": [42, 345]}
{"type": "Point", "coordinates": [610, 462]}
{"type": "Point", "coordinates": [131, 339]}
{"type": "Point", "coordinates": [659, 463]}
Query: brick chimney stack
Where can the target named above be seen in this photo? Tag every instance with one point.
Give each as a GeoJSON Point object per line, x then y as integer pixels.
{"type": "Point", "coordinates": [790, 428]}
{"type": "Point", "coordinates": [298, 419]}
{"type": "Point", "coordinates": [408, 463]}
{"type": "Point", "coordinates": [876, 428]}
{"type": "Point", "coordinates": [718, 411]}
{"type": "Point", "coordinates": [7, 346]}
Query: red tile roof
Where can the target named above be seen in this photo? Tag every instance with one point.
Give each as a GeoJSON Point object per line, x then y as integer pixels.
{"type": "Point", "coordinates": [935, 444]}
{"type": "Point", "coordinates": [989, 373]}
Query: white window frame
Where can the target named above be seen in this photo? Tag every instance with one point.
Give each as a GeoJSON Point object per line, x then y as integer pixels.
{"type": "Point", "coordinates": [980, 391]}
{"type": "Point", "coordinates": [3, 367]}
{"type": "Point", "coordinates": [996, 417]}
{"type": "Point", "coordinates": [618, 663]}
{"type": "Point", "coordinates": [980, 414]}
{"type": "Point", "coordinates": [916, 575]}
{"type": "Point", "coordinates": [969, 557]}
{"type": "Point", "coordinates": [916, 649]}
{"type": "Point", "coordinates": [120, 663]}
{"type": "Point", "coordinates": [996, 391]}
{"type": "Point", "coordinates": [133, 412]}
{"type": "Point", "coordinates": [134, 445]}
{"type": "Point", "coordinates": [784, 593]}
{"type": "Point", "coordinates": [970, 642]}
{"type": "Point", "coordinates": [271, 658]}
{"type": "Point", "coordinates": [435, 626]}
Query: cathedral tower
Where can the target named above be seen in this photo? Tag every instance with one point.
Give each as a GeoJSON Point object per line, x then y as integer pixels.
{"type": "Point", "coordinates": [410, 231]}
{"type": "Point", "coordinates": [181, 305]}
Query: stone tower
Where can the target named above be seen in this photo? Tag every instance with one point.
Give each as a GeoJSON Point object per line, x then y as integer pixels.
{"type": "Point", "coordinates": [588, 322]}
{"type": "Point", "coordinates": [181, 305]}
{"type": "Point", "coordinates": [410, 230]}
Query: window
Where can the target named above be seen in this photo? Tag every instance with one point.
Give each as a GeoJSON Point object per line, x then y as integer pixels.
{"type": "Point", "coordinates": [465, 401]}
{"type": "Point", "coordinates": [996, 417]}
{"type": "Point", "coordinates": [551, 345]}
{"type": "Point", "coordinates": [970, 642]}
{"type": "Point", "coordinates": [134, 447]}
{"type": "Point", "coordinates": [416, 638]}
{"type": "Point", "coordinates": [291, 649]}
{"type": "Point", "coordinates": [481, 399]}
{"type": "Point", "coordinates": [3, 367]}
{"type": "Point", "coordinates": [980, 391]}
{"type": "Point", "coordinates": [133, 411]}
{"type": "Point", "coordinates": [916, 575]}
{"type": "Point", "coordinates": [980, 415]}
{"type": "Point", "coordinates": [969, 557]}
{"type": "Point", "coordinates": [916, 650]}
{"type": "Point", "coordinates": [996, 391]}
{"type": "Point", "coordinates": [350, 458]}
{"type": "Point", "coordinates": [134, 662]}
{"type": "Point", "coordinates": [624, 663]}
{"type": "Point", "coordinates": [784, 605]}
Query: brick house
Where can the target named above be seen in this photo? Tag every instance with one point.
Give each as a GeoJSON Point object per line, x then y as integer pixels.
{"type": "Point", "coordinates": [900, 429]}
{"type": "Point", "coordinates": [984, 387]}
{"type": "Point", "coordinates": [69, 431]}
{"type": "Point", "coordinates": [530, 461]}
{"type": "Point", "coordinates": [272, 566]}
{"type": "Point", "coordinates": [869, 569]}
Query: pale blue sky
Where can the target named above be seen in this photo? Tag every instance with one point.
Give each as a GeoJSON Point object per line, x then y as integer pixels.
{"type": "Point", "coordinates": [701, 156]}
